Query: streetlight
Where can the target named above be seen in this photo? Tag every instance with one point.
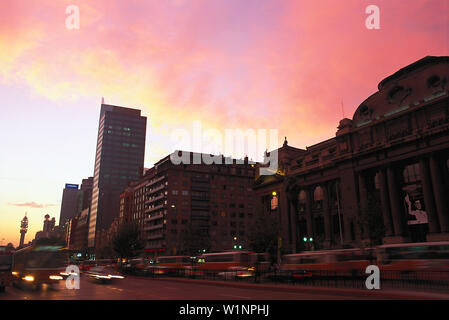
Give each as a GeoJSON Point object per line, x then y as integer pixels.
{"type": "Point", "coordinates": [305, 239]}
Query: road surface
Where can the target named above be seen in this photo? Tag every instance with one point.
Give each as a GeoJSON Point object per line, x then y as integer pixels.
{"type": "Point", "coordinates": [139, 288]}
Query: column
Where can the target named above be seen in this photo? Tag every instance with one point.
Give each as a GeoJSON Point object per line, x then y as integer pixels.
{"type": "Point", "coordinates": [363, 198]}
{"type": "Point", "coordinates": [362, 191]}
{"type": "Point", "coordinates": [395, 203]}
{"type": "Point", "coordinates": [440, 200]}
{"type": "Point", "coordinates": [428, 196]}
{"type": "Point", "coordinates": [309, 218]}
{"type": "Point", "coordinates": [292, 198]}
{"type": "Point", "coordinates": [326, 215]}
{"type": "Point", "coordinates": [341, 231]}
{"type": "Point", "coordinates": [385, 201]}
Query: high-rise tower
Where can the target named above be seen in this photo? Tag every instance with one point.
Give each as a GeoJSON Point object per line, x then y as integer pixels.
{"type": "Point", "coordinates": [119, 159]}
{"type": "Point", "coordinates": [23, 230]}
{"type": "Point", "coordinates": [71, 203]}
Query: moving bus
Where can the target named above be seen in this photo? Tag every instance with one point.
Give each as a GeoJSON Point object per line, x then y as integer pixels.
{"type": "Point", "coordinates": [261, 261]}
{"type": "Point", "coordinates": [174, 262]}
{"type": "Point", "coordinates": [428, 260]}
{"type": "Point", "coordinates": [36, 265]}
{"type": "Point", "coordinates": [5, 267]}
{"type": "Point", "coordinates": [344, 262]}
{"type": "Point", "coordinates": [223, 261]}
{"type": "Point", "coordinates": [170, 265]}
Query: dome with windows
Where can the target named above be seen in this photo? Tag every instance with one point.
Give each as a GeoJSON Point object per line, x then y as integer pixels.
{"type": "Point", "coordinates": [420, 82]}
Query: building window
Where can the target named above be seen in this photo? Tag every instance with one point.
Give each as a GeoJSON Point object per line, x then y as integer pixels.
{"type": "Point", "coordinates": [318, 197]}
{"type": "Point", "coordinates": [411, 173]}
{"type": "Point", "coordinates": [302, 201]}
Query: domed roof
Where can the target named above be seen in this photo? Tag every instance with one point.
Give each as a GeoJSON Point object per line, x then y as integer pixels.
{"type": "Point", "coordinates": [408, 87]}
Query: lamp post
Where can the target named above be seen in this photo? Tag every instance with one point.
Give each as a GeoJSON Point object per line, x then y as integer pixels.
{"type": "Point", "coordinates": [308, 240]}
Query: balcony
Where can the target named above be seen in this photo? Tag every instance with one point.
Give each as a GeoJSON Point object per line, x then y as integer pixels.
{"type": "Point", "coordinates": [200, 198]}
{"type": "Point", "coordinates": [200, 187]}
{"type": "Point", "coordinates": [155, 198]}
{"type": "Point", "coordinates": [153, 182]}
{"type": "Point", "coordinates": [153, 227]}
{"type": "Point", "coordinates": [155, 216]}
{"type": "Point", "coordinates": [200, 180]}
{"type": "Point", "coordinates": [200, 206]}
{"type": "Point", "coordinates": [155, 208]}
{"type": "Point", "coordinates": [154, 190]}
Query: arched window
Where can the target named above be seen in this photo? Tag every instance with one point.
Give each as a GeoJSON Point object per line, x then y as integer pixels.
{"type": "Point", "coordinates": [302, 196]}
{"type": "Point", "coordinates": [318, 197]}
{"type": "Point", "coordinates": [411, 173]}
{"type": "Point", "coordinates": [318, 194]}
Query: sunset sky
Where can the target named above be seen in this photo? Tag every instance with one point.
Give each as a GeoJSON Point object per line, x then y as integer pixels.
{"type": "Point", "coordinates": [249, 64]}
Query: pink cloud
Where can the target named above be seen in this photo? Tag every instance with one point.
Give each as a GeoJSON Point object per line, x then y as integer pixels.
{"type": "Point", "coordinates": [251, 64]}
{"type": "Point", "coordinates": [33, 205]}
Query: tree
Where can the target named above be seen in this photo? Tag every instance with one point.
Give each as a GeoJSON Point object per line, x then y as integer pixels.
{"type": "Point", "coordinates": [127, 242]}
{"type": "Point", "coordinates": [194, 239]}
{"type": "Point", "coordinates": [264, 233]}
{"type": "Point", "coordinates": [371, 221]}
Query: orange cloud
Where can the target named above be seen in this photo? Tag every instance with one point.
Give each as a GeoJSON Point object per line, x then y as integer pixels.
{"type": "Point", "coordinates": [252, 64]}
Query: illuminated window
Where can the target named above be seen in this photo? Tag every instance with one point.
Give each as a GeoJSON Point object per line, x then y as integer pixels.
{"type": "Point", "coordinates": [411, 173]}
{"type": "Point", "coordinates": [318, 197]}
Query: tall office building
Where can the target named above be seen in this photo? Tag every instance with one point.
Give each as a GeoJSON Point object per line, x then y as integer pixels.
{"type": "Point", "coordinates": [119, 159]}
{"type": "Point", "coordinates": [86, 188]}
{"type": "Point", "coordinates": [71, 203]}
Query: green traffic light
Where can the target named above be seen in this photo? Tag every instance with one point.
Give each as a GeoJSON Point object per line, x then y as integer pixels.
{"type": "Point", "coordinates": [305, 239]}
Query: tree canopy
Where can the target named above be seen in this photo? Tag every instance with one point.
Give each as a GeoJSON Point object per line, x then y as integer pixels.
{"type": "Point", "coordinates": [263, 234]}
{"type": "Point", "coordinates": [127, 242]}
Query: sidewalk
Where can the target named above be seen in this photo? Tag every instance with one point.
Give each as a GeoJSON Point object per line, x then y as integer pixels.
{"type": "Point", "coordinates": [388, 294]}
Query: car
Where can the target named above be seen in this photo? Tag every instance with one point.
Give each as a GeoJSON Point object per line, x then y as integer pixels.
{"type": "Point", "coordinates": [192, 272]}
{"type": "Point", "coordinates": [103, 274]}
{"type": "Point", "coordinates": [237, 273]}
{"type": "Point", "coordinates": [155, 270]}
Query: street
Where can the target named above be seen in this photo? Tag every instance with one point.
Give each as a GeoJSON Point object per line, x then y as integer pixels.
{"type": "Point", "coordinates": [138, 288]}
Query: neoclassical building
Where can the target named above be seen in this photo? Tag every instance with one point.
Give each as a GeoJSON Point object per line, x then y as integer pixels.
{"type": "Point", "coordinates": [386, 169]}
